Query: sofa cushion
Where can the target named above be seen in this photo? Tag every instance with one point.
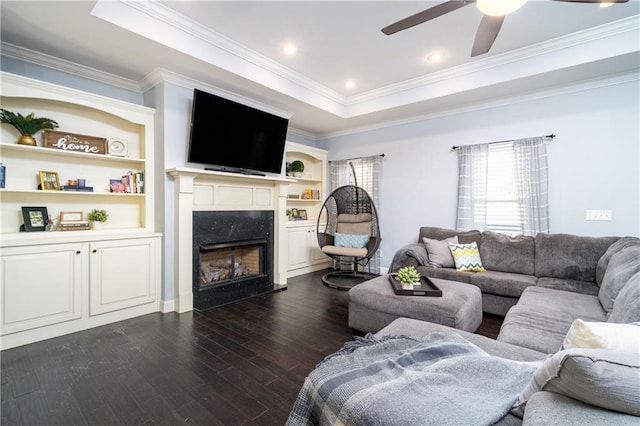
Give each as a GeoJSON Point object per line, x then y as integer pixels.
{"type": "Point", "coordinates": [467, 257]}
{"type": "Point", "coordinates": [603, 335]}
{"type": "Point", "coordinates": [564, 284]}
{"type": "Point", "coordinates": [622, 266]}
{"type": "Point", "coordinates": [435, 233]}
{"type": "Point", "coordinates": [600, 377]}
{"type": "Point", "coordinates": [450, 274]}
{"type": "Point", "coordinates": [626, 307]}
{"type": "Point", "coordinates": [614, 248]}
{"type": "Point", "coordinates": [550, 408]}
{"type": "Point", "coordinates": [501, 252]}
{"type": "Point", "coordinates": [502, 283]}
{"type": "Point", "coordinates": [438, 251]}
{"type": "Point", "coordinates": [569, 256]}
{"type": "Point", "coordinates": [543, 316]}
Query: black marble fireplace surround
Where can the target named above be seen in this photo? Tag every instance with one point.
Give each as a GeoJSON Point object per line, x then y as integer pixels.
{"type": "Point", "coordinates": [227, 229]}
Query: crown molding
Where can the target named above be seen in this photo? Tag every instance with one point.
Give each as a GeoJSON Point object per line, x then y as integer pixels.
{"type": "Point", "coordinates": [68, 67]}
{"type": "Point", "coordinates": [585, 85]}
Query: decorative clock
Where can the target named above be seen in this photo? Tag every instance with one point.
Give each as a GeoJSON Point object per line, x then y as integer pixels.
{"type": "Point", "coordinates": [117, 147]}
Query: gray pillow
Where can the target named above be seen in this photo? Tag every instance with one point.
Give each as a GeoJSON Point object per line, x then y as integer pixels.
{"type": "Point", "coordinates": [600, 377]}
{"type": "Point", "coordinates": [626, 307]}
{"type": "Point", "coordinates": [622, 266]}
{"type": "Point", "coordinates": [614, 248]}
{"type": "Point", "coordinates": [439, 254]}
{"type": "Point", "coordinates": [501, 252]}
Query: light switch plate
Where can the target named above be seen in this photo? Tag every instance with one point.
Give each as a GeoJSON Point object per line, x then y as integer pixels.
{"type": "Point", "coordinates": [605, 215]}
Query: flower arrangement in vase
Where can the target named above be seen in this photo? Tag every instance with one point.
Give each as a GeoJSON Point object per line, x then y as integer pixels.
{"type": "Point", "coordinates": [408, 276]}
{"type": "Point", "coordinates": [97, 218]}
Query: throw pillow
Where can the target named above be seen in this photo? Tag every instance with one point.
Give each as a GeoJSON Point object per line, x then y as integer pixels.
{"type": "Point", "coordinates": [466, 257]}
{"type": "Point", "coordinates": [600, 377]}
{"type": "Point", "coordinates": [622, 266]}
{"type": "Point", "coordinates": [439, 253]}
{"type": "Point", "coordinates": [604, 335]}
{"type": "Point", "coordinates": [350, 240]}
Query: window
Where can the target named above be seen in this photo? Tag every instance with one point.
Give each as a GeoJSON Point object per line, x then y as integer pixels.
{"type": "Point", "coordinates": [503, 187]}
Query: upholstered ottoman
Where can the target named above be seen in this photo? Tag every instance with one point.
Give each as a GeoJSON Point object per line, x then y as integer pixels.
{"type": "Point", "coordinates": [373, 305]}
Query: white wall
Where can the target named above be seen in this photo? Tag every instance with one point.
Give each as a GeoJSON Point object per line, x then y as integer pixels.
{"type": "Point", "coordinates": [594, 161]}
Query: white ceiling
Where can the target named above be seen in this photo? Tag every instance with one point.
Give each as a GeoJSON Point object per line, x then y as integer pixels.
{"type": "Point", "coordinates": [236, 46]}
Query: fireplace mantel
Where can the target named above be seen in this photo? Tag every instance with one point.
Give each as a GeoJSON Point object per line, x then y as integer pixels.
{"type": "Point", "coordinates": [203, 190]}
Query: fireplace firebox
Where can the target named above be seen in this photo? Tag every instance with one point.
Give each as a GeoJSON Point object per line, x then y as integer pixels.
{"type": "Point", "coordinates": [232, 256]}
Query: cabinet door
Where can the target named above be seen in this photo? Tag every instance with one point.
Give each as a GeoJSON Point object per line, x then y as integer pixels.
{"type": "Point", "coordinates": [298, 247]}
{"type": "Point", "coordinates": [316, 255]}
{"type": "Point", "coordinates": [41, 285]}
{"type": "Point", "coordinates": [122, 274]}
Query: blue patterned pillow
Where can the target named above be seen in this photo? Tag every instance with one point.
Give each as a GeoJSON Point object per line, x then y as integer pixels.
{"type": "Point", "coordinates": [350, 240]}
{"type": "Point", "coordinates": [466, 257]}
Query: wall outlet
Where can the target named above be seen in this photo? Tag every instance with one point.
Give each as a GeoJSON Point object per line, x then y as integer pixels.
{"type": "Point", "coordinates": [606, 215]}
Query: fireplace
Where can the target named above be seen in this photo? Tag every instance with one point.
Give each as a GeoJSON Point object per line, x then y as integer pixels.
{"type": "Point", "coordinates": [232, 256]}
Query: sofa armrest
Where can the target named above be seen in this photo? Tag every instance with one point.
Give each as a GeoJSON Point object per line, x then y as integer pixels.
{"type": "Point", "coordinates": [548, 408]}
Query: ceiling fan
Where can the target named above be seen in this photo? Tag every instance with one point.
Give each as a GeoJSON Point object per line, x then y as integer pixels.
{"type": "Point", "coordinates": [494, 13]}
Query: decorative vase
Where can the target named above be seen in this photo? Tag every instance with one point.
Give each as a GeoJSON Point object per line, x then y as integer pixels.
{"type": "Point", "coordinates": [96, 226]}
{"type": "Point", "coordinates": [27, 140]}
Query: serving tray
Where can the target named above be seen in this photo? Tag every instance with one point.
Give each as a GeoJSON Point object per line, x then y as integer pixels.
{"type": "Point", "coordinates": [426, 288]}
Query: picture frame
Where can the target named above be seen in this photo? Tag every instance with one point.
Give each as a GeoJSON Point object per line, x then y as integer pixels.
{"type": "Point", "coordinates": [49, 181]}
{"type": "Point", "coordinates": [35, 218]}
{"type": "Point", "coordinates": [71, 216]}
{"type": "Point", "coordinates": [302, 214]}
{"type": "Point", "coordinates": [294, 213]}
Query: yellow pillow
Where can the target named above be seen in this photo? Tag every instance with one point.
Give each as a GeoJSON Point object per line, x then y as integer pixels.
{"type": "Point", "coordinates": [466, 257]}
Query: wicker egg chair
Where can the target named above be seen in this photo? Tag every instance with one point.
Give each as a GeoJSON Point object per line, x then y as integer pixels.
{"type": "Point", "coordinates": [348, 232]}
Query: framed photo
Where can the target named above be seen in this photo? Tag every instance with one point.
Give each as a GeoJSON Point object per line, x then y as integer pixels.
{"type": "Point", "coordinates": [71, 216]}
{"type": "Point", "coordinates": [49, 180]}
{"type": "Point", "coordinates": [302, 214]}
{"type": "Point", "coordinates": [294, 213]}
{"type": "Point", "coordinates": [35, 218]}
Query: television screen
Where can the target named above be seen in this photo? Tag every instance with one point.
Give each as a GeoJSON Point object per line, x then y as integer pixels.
{"type": "Point", "coordinates": [229, 136]}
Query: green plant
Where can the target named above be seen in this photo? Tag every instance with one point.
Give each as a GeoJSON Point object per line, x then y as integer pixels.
{"type": "Point", "coordinates": [98, 215]}
{"type": "Point", "coordinates": [297, 166]}
{"type": "Point", "coordinates": [28, 125]}
{"type": "Point", "coordinates": [408, 275]}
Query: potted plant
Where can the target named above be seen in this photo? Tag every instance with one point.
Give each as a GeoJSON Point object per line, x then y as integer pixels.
{"type": "Point", "coordinates": [27, 125]}
{"type": "Point", "coordinates": [297, 167]}
{"type": "Point", "coordinates": [408, 276]}
{"type": "Point", "coordinates": [97, 218]}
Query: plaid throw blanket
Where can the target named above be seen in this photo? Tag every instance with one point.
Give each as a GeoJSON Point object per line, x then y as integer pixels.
{"type": "Point", "coordinates": [439, 379]}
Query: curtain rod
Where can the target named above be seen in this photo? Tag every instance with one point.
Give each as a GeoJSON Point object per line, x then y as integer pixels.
{"type": "Point", "coordinates": [356, 158]}
{"type": "Point", "coordinates": [551, 136]}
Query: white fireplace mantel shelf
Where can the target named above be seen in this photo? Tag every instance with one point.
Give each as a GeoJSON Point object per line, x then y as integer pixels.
{"type": "Point", "coordinates": [201, 173]}
{"type": "Point", "coordinates": [206, 190]}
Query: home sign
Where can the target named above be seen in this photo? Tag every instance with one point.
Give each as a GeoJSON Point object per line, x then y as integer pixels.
{"type": "Point", "coordinates": [74, 142]}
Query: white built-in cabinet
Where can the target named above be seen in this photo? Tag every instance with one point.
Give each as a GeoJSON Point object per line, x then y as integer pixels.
{"type": "Point", "coordinates": [304, 254]}
{"type": "Point", "coordinates": [54, 283]}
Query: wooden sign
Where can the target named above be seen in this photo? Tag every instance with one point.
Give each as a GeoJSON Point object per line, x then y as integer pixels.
{"type": "Point", "coordinates": [74, 142]}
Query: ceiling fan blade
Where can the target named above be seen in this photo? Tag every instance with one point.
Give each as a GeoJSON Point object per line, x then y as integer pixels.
{"type": "Point", "coordinates": [594, 1]}
{"type": "Point", "coordinates": [425, 15]}
{"type": "Point", "coordinates": [486, 35]}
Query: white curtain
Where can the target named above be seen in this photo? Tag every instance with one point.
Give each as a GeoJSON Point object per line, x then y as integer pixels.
{"type": "Point", "coordinates": [472, 187]}
{"type": "Point", "coordinates": [504, 187]}
{"type": "Point", "coordinates": [368, 176]}
{"type": "Point", "coordinates": [533, 184]}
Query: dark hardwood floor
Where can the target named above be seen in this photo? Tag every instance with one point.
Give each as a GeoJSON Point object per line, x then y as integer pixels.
{"type": "Point", "coordinates": [238, 364]}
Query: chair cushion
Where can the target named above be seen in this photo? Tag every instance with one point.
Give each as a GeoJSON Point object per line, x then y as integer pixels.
{"type": "Point", "coordinates": [357, 224]}
{"type": "Point", "coordinates": [344, 251]}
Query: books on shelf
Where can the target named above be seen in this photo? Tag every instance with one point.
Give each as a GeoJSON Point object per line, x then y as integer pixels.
{"type": "Point", "coordinates": [130, 183]}
{"type": "Point", "coordinates": [80, 225]}
{"type": "Point", "coordinates": [77, 188]}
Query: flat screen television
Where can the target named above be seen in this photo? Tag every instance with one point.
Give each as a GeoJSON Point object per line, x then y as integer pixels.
{"type": "Point", "coordinates": [228, 136]}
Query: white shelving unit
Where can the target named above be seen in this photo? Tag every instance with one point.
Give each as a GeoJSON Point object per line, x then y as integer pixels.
{"type": "Point", "coordinates": [55, 283]}
{"type": "Point", "coordinates": [304, 255]}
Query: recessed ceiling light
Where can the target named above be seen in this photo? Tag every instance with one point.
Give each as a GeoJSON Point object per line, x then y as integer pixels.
{"type": "Point", "coordinates": [435, 57]}
{"type": "Point", "coordinates": [350, 84]}
{"type": "Point", "coordinates": [290, 49]}
{"type": "Point", "coordinates": [604, 4]}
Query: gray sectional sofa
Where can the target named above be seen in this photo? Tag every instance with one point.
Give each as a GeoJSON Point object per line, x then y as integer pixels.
{"type": "Point", "coordinates": [543, 284]}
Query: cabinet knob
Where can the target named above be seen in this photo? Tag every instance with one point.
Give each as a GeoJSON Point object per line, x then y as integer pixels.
{"type": "Point", "coordinates": [78, 252]}
{"type": "Point", "coordinates": [94, 251]}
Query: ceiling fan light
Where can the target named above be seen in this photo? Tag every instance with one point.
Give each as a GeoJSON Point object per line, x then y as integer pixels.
{"type": "Point", "coordinates": [499, 7]}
